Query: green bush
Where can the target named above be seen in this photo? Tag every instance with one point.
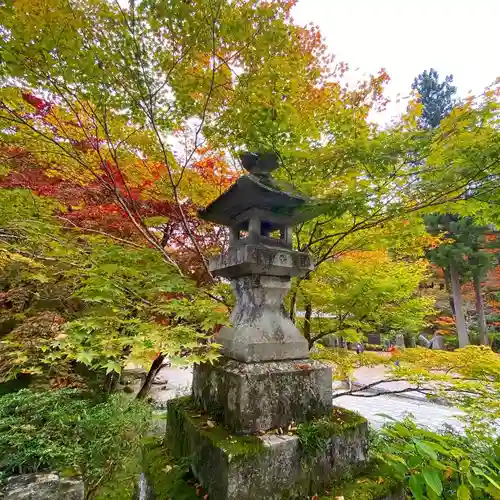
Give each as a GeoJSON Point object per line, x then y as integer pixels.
{"type": "Point", "coordinates": [438, 466]}
{"type": "Point", "coordinates": [495, 340]}
{"type": "Point", "coordinates": [68, 431]}
{"type": "Point", "coordinates": [374, 347]}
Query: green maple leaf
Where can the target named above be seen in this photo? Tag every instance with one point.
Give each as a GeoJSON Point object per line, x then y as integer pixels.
{"type": "Point", "coordinates": [113, 366]}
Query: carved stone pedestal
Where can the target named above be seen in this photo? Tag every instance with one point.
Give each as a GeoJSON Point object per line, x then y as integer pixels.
{"type": "Point", "coordinates": [260, 277]}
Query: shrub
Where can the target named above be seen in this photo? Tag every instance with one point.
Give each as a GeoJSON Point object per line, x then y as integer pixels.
{"type": "Point", "coordinates": [374, 347]}
{"type": "Point", "coordinates": [439, 465]}
{"type": "Point", "coordinates": [68, 431]}
{"type": "Point", "coordinates": [347, 361]}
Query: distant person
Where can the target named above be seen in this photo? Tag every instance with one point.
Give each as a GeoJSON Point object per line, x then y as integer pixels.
{"type": "Point", "coordinates": [359, 349]}
{"type": "Point", "coordinates": [394, 352]}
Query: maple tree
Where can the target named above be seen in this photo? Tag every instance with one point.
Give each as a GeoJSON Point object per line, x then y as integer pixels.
{"type": "Point", "coordinates": [461, 256]}
{"type": "Point", "coordinates": [467, 378]}
{"type": "Point", "coordinates": [133, 113]}
{"type": "Point", "coordinates": [365, 291]}
{"type": "Point", "coordinates": [123, 206]}
{"type": "Point", "coordinates": [70, 298]}
{"type": "Point", "coordinates": [377, 178]}
{"type": "Point", "coordinates": [118, 131]}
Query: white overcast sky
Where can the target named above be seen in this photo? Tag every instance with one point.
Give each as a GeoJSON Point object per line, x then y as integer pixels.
{"type": "Point", "coordinates": [459, 37]}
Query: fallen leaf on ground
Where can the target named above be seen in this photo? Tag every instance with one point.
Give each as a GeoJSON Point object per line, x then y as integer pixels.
{"type": "Point", "coordinates": [303, 366]}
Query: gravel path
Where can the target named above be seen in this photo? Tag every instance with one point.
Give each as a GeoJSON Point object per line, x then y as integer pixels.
{"type": "Point", "coordinates": [425, 413]}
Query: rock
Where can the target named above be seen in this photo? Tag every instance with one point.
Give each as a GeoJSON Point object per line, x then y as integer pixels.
{"type": "Point", "coordinates": [400, 340]}
{"type": "Point", "coordinates": [130, 375]}
{"type": "Point", "coordinates": [43, 487]}
{"type": "Point", "coordinates": [161, 379]}
{"type": "Point", "coordinates": [437, 342]}
{"type": "Point", "coordinates": [330, 341]}
{"type": "Point", "coordinates": [424, 342]}
{"type": "Point", "coordinates": [160, 397]}
{"type": "Point", "coordinates": [158, 424]}
{"type": "Point", "coordinates": [253, 397]}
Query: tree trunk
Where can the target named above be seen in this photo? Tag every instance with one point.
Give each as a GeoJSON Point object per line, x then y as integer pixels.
{"type": "Point", "coordinates": [110, 382]}
{"type": "Point", "coordinates": [307, 324]}
{"type": "Point", "coordinates": [449, 288]}
{"type": "Point", "coordinates": [481, 317]}
{"type": "Point", "coordinates": [463, 337]}
{"type": "Point", "coordinates": [148, 381]}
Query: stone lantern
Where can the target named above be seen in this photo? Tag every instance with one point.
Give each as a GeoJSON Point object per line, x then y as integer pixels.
{"type": "Point", "coordinates": [263, 347]}
{"type": "Point", "coordinates": [238, 427]}
{"type": "Point", "coordinates": [260, 263]}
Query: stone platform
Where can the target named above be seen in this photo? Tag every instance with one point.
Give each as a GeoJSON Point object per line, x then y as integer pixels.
{"type": "Point", "coordinates": [295, 465]}
{"type": "Point", "coordinates": [255, 397]}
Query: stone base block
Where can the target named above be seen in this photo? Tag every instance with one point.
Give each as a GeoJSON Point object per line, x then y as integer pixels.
{"type": "Point", "coordinates": [255, 397]}
{"type": "Point", "coordinates": [271, 466]}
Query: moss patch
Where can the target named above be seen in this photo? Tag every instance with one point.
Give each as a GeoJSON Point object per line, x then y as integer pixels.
{"type": "Point", "coordinates": [366, 488]}
{"type": "Point", "coordinates": [170, 478]}
{"type": "Point", "coordinates": [372, 483]}
{"type": "Point", "coordinates": [182, 411]}
{"type": "Point", "coordinates": [314, 436]}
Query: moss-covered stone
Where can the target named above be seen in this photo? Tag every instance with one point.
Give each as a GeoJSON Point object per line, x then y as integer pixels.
{"type": "Point", "coordinates": [170, 478]}
{"type": "Point", "coordinates": [315, 435]}
{"type": "Point", "coordinates": [266, 466]}
{"type": "Point", "coordinates": [182, 412]}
